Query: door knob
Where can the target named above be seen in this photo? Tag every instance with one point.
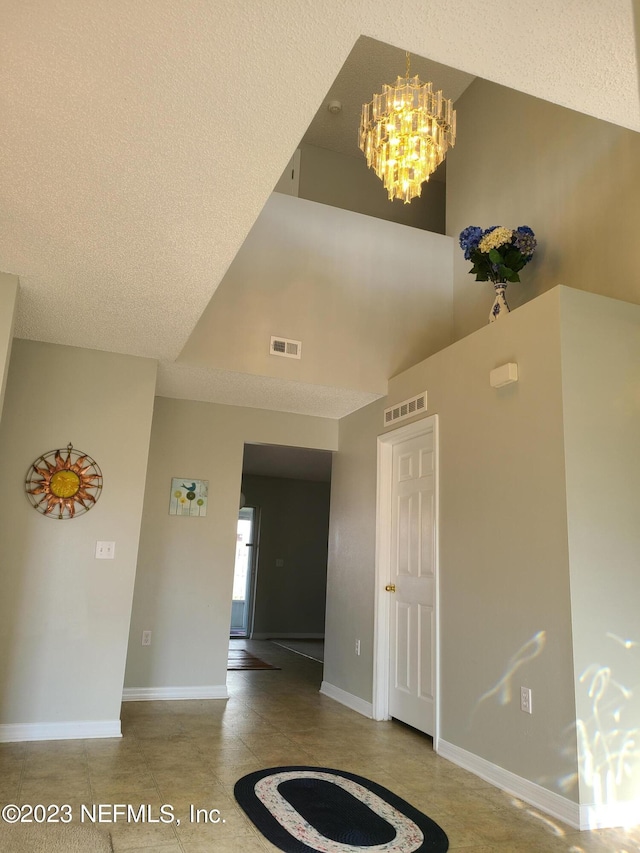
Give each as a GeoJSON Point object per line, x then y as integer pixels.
{"type": "Point", "coordinates": [390, 587]}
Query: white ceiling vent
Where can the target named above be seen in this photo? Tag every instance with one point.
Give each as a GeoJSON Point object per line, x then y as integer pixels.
{"type": "Point", "coordinates": [406, 409]}
{"type": "Point", "coordinates": [285, 347]}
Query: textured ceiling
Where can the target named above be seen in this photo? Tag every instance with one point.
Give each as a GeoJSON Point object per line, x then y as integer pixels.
{"type": "Point", "coordinates": [139, 141]}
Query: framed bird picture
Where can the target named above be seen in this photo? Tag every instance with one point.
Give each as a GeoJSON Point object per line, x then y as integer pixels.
{"type": "Point", "coordinates": [188, 496]}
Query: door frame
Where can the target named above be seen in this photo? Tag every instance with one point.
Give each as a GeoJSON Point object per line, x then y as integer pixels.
{"type": "Point", "coordinates": [386, 443]}
{"type": "Point", "coordinates": [255, 552]}
{"type": "Point", "coordinates": [252, 571]}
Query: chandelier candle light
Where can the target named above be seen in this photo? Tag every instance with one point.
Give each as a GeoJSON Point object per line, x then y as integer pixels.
{"type": "Point", "coordinates": [405, 133]}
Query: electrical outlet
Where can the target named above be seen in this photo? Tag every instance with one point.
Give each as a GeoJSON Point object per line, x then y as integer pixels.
{"type": "Point", "coordinates": [357, 647]}
{"type": "Point", "coordinates": [525, 700]}
{"type": "Point", "coordinates": [146, 638]}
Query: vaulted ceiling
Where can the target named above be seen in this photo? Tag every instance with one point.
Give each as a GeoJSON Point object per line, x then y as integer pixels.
{"type": "Point", "coordinates": [139, 141]}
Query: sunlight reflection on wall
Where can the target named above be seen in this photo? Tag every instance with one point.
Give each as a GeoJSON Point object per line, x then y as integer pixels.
{"type": "Point", "coordinates": [608, 750]}
{"type": "Point", "coordinates": [503, 689]}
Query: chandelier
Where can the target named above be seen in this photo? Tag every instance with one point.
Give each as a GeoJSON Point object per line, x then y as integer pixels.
{"type": "Point", "coordinates": [405, 133]}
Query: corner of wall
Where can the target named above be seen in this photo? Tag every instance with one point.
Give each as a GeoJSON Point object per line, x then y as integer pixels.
{"type": "Point", "coordinates": [9, 289]}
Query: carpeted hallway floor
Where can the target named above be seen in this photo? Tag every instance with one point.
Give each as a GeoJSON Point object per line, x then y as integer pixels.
{"type": "Point", "coordinates": [192, 752]}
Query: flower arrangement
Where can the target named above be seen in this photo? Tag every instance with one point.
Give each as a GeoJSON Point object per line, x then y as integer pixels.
{"type": "Point", "coordinates": [498, 254]}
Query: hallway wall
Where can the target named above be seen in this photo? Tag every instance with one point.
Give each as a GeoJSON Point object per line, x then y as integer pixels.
{"type": "Point", "coordinates": [351, 565]}
{"type": "Point", "coordinates": [538, 544]}
{"type": "Point", "coordinates": [64, 616]}
{"type": "Point", "coordinates": [185, 565]}
{"type": "Point", "coordinates": [294, 526]}
{"type": "Point", "coordinates": [601, 381]}
{"type": "Point", "coordinates": [504, 575]}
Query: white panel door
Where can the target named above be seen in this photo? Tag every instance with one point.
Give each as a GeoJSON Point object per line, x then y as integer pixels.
{"type": "Point", "coordinates": [412, 638]}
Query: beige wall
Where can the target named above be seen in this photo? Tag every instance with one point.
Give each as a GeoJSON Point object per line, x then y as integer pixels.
{"type": "Point", "coordinates": [366, 297]}
{"type": "Point", "coordinates": [601, 380]}
{"type": "Point", "coordinates": [342, 181]}
{"type": "Point", "coordinates": [294, 526]}
{"type": "Point", "coordinates": [64, 616]}
{"type": "Point", "coordinates": [503, 545]}
{"type": "Point", "coordinates": [9, 286]}
{"type": "Point", "coordinates": [352, 554]}
{"type": "Point", "coordinates": [185, 566]}
{"type": "Point", "coordinates": [538, 545]}
{"type": "Point", "coordinates": [574, 179]}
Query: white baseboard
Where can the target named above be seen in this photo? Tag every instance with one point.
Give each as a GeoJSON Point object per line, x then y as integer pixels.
{"type": "Point", "coordinates": [80, 729]}
{"type": "Point", "coordinates": [547, 801]}
{"type": "Point", "coordinates": [273, 636]}
{"type": "Point", "coordinates": [152, 694]}
{"type": "Point", "coordinates": [348, 699]}
{"type": "Point", "coordinates": [586, 816]}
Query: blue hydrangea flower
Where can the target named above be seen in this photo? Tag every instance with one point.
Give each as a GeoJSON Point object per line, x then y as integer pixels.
{"type": "Point", "coordinates": [497, 253]}
{"type": "Point", "coordinates": [469, 239]}
{"type": "Point", "coordinates": [525, 240]}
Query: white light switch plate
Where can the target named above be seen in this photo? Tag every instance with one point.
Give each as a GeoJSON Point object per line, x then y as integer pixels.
{"type": "Point", "coordinates": [105, 550]}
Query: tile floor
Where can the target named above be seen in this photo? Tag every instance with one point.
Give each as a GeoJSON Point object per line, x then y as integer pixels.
{"type": "Point", "coordinates": [192, 752]}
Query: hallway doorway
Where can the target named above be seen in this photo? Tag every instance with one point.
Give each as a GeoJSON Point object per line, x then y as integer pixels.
{"type": "Point", "coordinates": [280, 589]}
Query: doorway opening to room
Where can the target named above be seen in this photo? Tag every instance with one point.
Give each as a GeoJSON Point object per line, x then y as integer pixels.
{"type": "Point", "coordinates": [279, 590]}
{"type": "Point", "coordinates": [244, 573]}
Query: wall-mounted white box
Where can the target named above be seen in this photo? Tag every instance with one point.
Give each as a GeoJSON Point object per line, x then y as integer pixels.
{"type": "Point", "coordinates": [504, 375]}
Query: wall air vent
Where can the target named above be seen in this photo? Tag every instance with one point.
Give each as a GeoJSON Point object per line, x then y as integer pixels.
{"type": "Point", "coordinates": [406, 409]}
{"type": "Point", "coordinates": [285, 347]}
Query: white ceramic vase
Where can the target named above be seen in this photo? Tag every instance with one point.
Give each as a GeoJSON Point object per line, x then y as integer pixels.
{"type": "Point", "coordinates": [499, 307]}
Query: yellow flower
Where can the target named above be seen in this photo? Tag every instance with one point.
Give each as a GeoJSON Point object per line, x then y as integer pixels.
{"type": "Point", "coordinates": [498, 237]}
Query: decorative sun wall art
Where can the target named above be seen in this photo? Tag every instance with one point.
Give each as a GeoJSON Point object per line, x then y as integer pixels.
{"type": "Point", "coordinates": [64, 483]}
{"type": "Point", "coordinates": [188, 497]}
